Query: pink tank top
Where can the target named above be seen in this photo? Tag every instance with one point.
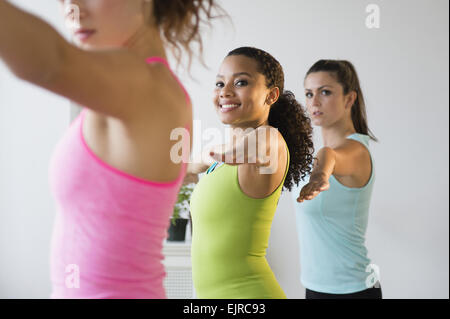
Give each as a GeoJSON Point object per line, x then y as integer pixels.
{"type": "Point", "coordinates": [110, 226]}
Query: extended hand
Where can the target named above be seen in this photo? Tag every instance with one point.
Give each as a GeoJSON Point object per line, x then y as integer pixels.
{"type": "Point", "coordinates": [317, 183]}
{"type": "Point", "coordinates": [256, 147]}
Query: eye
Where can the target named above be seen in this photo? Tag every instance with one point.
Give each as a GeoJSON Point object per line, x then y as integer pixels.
{"type": "Point", "coordinates": [241, 83]}
{"type": "Point", "coordinates": [219, 85]}
{"type": "Point", "coordinates": [308, 95]}
{"type": "Point", "coordinates": [326, 92]}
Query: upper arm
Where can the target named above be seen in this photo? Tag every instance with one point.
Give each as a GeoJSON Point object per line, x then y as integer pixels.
{"type": "Point", "coordinates": [115, 83]}
{"type": "Point", "coordinates": [255, 183]}
{"type": "Point", "coordinates": [350, 158]}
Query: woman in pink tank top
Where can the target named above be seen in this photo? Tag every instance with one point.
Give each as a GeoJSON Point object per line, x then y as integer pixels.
{"type": "Point", "coordinates": [112, 175]}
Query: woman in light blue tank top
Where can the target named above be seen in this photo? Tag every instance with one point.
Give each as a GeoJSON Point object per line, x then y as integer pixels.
{"type": "Point", "coordinates": [332, 206]}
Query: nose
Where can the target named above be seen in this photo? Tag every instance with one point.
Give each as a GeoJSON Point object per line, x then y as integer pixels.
{"type": "Point", "coordinates": [315, 100]}
{"type": "Point", "coordinates": [226, 91]}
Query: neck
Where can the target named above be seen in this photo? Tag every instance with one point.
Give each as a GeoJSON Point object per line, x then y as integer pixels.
{"type": "Point", "coordinates": [336, 134]}
{"type": "Point", "coordinates": [147, 42]}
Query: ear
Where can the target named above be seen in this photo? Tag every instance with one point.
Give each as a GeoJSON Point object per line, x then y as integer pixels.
{"type": "Point", "coordinates": [273, 96]}
{"type": "Point", "coordinates": [350, 99]}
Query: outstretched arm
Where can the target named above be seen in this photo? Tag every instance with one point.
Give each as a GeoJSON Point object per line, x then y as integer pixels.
{"type": "Point", "coordinates": [196, 168]}
{"type": "Point", "coordinates": [341, 161]}
{"type": "Point", "coordinates": [262, 157]}
{"type": "Point", "coordinates": [104, 81]}
{"type": "Point", "coordinates": [318, 180]}
{"type": "Point", "coordinates": [258, 152]}
{"type": "Point", "coordinates": [28, 46]}
{"type": "Point", "coordinates": [259, 148]}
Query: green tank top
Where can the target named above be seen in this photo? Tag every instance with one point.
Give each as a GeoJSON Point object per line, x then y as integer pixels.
{"type": "Point", "coordinates": [230, 236]}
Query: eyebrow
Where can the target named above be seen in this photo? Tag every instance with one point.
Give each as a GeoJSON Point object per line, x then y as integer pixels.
{"type": "Point", "coordinates": [236, 74]}
{"type": "Point", "coordinates": [323, 86]}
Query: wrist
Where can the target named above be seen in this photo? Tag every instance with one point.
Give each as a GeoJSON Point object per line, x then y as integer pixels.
{"type": "Point", "coordinates": [320, 174]}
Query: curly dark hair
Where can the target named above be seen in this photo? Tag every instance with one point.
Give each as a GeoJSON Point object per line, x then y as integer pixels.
{"type": "Point", "coordinates": [180, 22]}
{"type": "Point", "coordinates": [287, 115]}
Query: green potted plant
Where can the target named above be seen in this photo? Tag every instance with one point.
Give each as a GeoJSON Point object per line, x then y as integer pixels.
{"type": "Point", "coordinates": [181, 214]}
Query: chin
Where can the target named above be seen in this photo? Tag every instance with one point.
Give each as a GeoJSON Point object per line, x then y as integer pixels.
{"type": "Point", "coordinates": [226, 121]}
{"type": "Point", "coordinates": [318, 123]}
{"type": "Point", "coordinates": [224, 118]}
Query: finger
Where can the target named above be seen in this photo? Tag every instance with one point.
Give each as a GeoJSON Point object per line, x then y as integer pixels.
{"type": "Point", "coordinates": [303, 191]}
{"type": "Point", "coordinates": [312, 195]}
{"type": "Point", "coordinates": [309, 191]}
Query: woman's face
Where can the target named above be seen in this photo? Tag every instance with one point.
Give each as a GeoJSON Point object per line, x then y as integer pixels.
{"type": "Point", "coordinates": [241, 97]}
{"type": "Point", "coordinates": [103, 24]}
{"type": "Point", "coordinates": [325, 99]}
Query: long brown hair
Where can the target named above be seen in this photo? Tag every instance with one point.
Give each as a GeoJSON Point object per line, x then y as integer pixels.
{"type": "Point", "coordinates": [180, 22]}
{"type": "Point", "coordinates": [345, 74]}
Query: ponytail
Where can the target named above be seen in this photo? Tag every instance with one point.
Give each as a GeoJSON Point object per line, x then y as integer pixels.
{"type": "Point", "coordinates": [289, 117]}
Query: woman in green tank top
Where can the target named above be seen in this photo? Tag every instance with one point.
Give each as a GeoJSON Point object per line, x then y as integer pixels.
{"type": "Point", "coordinates": [233, 205]}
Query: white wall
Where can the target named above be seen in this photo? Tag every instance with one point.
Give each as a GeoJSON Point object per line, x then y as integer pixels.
{"type": "Point", "coordinates": [403, 67]}
{"type": "Point", "coordinates": [31, 122]}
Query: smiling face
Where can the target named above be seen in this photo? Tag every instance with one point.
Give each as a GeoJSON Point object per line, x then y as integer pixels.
{"type": "Point", "coordinates": [103, 24]}
{"type": "Point", "coordinates": [241, 97]}
{"type": "Point", "coordinates": [325, 99]}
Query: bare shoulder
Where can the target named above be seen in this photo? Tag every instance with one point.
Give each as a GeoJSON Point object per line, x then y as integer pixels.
{"type": "Point", "coordinates": [352, 148]}
{"type": "Point", "coordinates": [353, 164]}
{"type": "Point", "coordinates": [165, 104]}
{"type": "Point", "coordinates": [260, 182]}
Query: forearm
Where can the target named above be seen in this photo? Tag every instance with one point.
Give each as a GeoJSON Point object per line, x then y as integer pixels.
{"type": "Point", "coordinates": [325, 162]}
{"type": "Point", "coordinates": [200, 163]}
{"type": "Point", "coordinates": [29, 47]}
{"type": "Point", "coordinates": [256, 147]}
{"type": "Point", "coordinates": [197, 168]}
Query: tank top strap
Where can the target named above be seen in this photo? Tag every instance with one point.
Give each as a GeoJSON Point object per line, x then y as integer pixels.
{"type": "Point", "coordinates": [361, 138]}
{"type": "Point", "coordinates": [288, 160]}
{"type": "Point", "coordinates": [157, 59]}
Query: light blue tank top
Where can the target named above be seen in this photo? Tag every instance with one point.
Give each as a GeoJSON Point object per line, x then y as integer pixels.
{"type": "Point", "coordinates": [331, 231]}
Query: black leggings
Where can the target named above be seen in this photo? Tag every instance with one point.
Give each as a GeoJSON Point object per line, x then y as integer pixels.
{"type": "Point", "coordinates": [371, 293]}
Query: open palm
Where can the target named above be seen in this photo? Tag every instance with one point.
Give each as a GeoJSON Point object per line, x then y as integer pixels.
{"type": "Point", "coordinates": [317, 183]}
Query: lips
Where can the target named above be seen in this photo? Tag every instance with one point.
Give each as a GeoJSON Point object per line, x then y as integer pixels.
{"type": "Point", "coordinates": [228, 107]}
{"type": "Point", "coordinates": [317, 113]}
{"type": "Point", "coordinates": [84, 34]}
